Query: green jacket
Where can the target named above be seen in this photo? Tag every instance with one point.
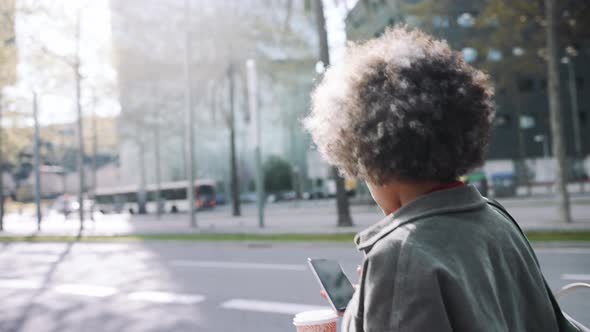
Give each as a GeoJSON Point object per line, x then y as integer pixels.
{"type": "Point", "coordinates": [448, 262]}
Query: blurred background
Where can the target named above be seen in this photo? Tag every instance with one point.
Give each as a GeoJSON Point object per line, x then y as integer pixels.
{"type": "Point", "coordinates": [151, 120]}
{"type": "Point", "coordinates": [141, 97]}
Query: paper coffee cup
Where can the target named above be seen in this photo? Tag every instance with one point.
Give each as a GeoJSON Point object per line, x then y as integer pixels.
{"type": "Point", "coordinates": [316, 321]}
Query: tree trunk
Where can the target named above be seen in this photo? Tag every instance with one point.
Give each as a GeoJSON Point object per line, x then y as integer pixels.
{"type": "Point", "coordinates": [555, 111]}
{"type": "Point", "coordinates": [189, 129]}
{"type": "Point", "coordinates": [141, 194]}
{"type": "Point", "coordinates": [157, 197]}
{"type": "Point", "coordinates": [94, 160]}
{"type": "Point", "coordinates": [80, 159]}
{"type": "Point", "coordinates": [64, 177]}
{"type": "Point", "coordinates": [344, 218]}
{"type": "Point", "coordinates": [37, 161]}
{"type": "Point", "coordinates": [522, 153]}
{"type": "Point", "coordinates": [235, 185]}
{"type": "Point", "coordinates": [1, 172]}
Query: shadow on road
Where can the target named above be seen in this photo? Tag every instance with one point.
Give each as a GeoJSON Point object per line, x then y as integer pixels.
{"type": "Point", "coordinates": [46, 281]}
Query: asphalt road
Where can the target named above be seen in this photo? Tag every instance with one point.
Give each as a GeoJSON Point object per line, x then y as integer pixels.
{"type": "Point", "coordinates": [191, 286]}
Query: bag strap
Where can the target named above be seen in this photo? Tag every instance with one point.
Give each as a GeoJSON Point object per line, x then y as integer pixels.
{"type": "Point", "coordinates": [565, 325]}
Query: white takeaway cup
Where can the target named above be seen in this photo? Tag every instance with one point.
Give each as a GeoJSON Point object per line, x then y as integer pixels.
{"type": "Point", "coordinates": [316, 321]}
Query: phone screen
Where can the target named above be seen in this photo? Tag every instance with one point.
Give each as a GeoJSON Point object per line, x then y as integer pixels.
{"type": "Point", "coordinates": [334, 282]}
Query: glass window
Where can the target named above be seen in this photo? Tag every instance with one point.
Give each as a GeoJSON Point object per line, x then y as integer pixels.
{"type": "Point", "coordinates": [440, 22]}
{"type": "Point", "coordinates": [492, 21]}
{"type": "Point", "coordinates": [527, 121]}
{"type": "Point", "coordinates": [469, 54]}
{"type": "Point", "coordinates": [503, 120]}
{"type": "Point", "coordinates": [494, 55]}
{"type": "Point", "coordinates": [413, 20]}
{"type": "Point", "coordinates": [205, 190]}
{"type": "Point", "coordinates": [525, 85]}
{"type": "Point", "coordinates": [518, 51]}
{"type": "Point", "coordinates": [580, 82]}
{"type": "Point", "coordinates": [466, 20]}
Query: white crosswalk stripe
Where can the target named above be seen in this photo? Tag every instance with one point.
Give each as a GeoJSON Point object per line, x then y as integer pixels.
{"type": "Point", "coordinates": [85, 290]}
{"type": "Point", "coordinates": [19, 284]}
{"type": "Point", "coordinates": [238, 265]}
{"type": "Point", "coordinates": [160, 297]}
{"type": "Point", "coordinates": [579, 277]}
{"type": "Point", "coordinates": [269, 306]}
{"type": "Point", "coordinates": [165, 297]}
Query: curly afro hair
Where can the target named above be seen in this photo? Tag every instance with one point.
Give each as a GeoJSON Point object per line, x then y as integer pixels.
{"type": "Point", "coordinates": [402, 106]}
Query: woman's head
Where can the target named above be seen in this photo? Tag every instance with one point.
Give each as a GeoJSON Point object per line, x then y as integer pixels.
{"type": "Point", "coordinates": [402, 107]}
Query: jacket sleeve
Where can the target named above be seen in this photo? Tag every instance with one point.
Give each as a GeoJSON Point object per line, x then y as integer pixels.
{"type": "Point", "coordinates": [371, 308]}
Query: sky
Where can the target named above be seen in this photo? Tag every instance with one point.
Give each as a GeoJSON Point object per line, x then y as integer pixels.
{"type": "Point", "coordinates": [56, 96]}
{"type": "Point", "coordinates": [49, 75]}
{"type": "Point", "coordinates": [335, 11]}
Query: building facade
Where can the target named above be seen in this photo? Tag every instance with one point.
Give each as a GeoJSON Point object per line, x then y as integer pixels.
{"type": "Point", "coordinates": [522, 138]}
{"type": "Point", "coordinates": [8, 54]}
{"type": "Point", "coordinates": [150, 42]}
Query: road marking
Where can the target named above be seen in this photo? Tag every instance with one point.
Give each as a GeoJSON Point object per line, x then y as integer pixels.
{"type": "Point", "coordinates": [571, 276]}
{"type": "Point", "coordinates": [238, 265]}
{"type": "Point", "coordinates": [20, 284]}
{"type": "Point", "coordinates": [85, 290]}
{"type": "Point", "coordinates": [268, 306]}
{"type": "Point", "coordinates": [580, 251]}
{"type": "Point", "coordinates": [165, 297]}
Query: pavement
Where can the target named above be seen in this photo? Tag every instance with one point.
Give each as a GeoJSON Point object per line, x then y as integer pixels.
{"type": "Point", "coordinates": [186, 286]}
{"type": "Point", "coordinates": [305, 217]}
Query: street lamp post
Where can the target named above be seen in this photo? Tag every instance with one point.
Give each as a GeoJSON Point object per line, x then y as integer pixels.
{"type": "Point", "coordinates": [519, 127]}
{"type": "Point", "coordinates": [235, 184]}
{"type": "Point", "coordinates": [79, 126]}
{"type": "Point", "coordinates": [1, 171]}
{"type": "Point", "coordinates": [190, 154]}
{"type": "Point", "coordinates": [255, 111]}
{"type": "Point", "coordinates": [543, 139]}
{"type": "Point", "coordinates": [568, 61]}
{"type": "Point", "coordinates": [36, 161]}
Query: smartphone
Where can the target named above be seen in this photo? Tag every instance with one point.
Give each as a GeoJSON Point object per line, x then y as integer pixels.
{"type": "Point", "coordinates": [333, 281]}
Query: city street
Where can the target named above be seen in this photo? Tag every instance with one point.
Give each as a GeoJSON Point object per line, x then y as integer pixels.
{"type": "Point", "coordinates": [183, 286]}
{"type": "Point", "coordinates": [316, 216]}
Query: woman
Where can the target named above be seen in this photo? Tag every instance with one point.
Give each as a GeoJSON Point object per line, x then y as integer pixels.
{"type": "Point", "coordinates": [407, 115]}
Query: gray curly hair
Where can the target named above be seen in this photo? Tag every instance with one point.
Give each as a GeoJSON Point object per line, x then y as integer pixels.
{"type": "Point", "coordinates": [402, 106]}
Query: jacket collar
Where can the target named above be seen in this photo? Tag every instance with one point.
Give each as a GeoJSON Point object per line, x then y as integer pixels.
{"type": "Point", "coordinates": [438, 202]}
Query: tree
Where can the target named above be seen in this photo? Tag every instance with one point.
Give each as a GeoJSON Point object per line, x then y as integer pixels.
{"type": "Point", "coordinates": [47, 63]}
{"type": "Point", "coordinates": [278, 175]}
{"type": "Point", "coordinates": [555, 109]}
{"type": "Point", "coordinates": [247, 31]}
{"type": "Point", "coordinates": [344, 218]}
{"type": "Point", "coordinates": [7, 75]}
{"type": "Point", "coordinates": [7, 43]}
{"type": "Point", "coordinates": [233, 161]}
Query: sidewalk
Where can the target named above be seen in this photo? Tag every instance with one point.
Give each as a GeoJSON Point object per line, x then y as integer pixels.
{"type": "Point", "coordinates": [310, 217]}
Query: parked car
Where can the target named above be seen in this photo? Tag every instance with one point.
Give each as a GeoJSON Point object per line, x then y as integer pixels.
{"type": "Point", "coordinates": [479, 180]}
{"type": "Point", "coordinates": [504, 184]}
{"type": "Point", "coordinates": [248, 197]}
{"type": "Point", "coordinates": [66, 205]}
{"type": "Point", "coordinates": [221, 199]}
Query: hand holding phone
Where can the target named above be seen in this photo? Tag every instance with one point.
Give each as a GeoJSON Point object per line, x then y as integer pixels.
{"type": "Point", "coordinates": [334, 283]}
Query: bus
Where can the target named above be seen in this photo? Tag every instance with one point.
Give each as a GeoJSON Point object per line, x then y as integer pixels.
{"type": "Point", "coordinates": [172, 197]}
